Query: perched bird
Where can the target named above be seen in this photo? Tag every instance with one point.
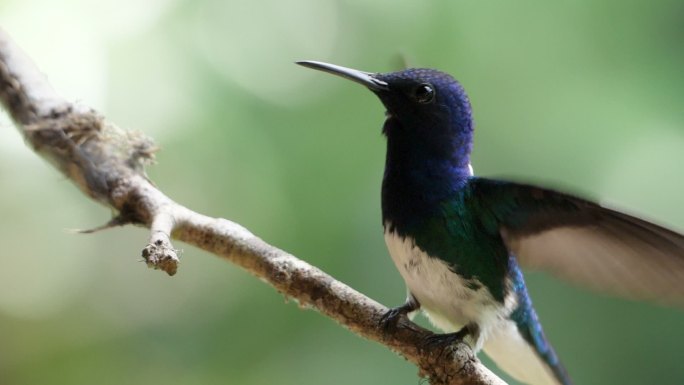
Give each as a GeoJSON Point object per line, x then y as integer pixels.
{"type": "Point", "coordinates": [458, 240]}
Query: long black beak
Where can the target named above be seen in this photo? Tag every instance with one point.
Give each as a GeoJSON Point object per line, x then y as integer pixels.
{"type": "Point", "coordinates": [368, 79]}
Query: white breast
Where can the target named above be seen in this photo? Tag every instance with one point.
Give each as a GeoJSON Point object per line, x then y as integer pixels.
{"type": "Point", "coordinates": [444, 296]}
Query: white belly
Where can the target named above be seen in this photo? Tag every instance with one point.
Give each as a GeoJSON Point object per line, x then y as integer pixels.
{"type": "Point", "coordinates": [450, 304]}
{"type": "Point", "coordinates": [443, 295]}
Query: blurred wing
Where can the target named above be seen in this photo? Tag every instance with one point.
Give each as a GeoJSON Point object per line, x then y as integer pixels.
{"type": "Point", "coordinates": [585, 243]}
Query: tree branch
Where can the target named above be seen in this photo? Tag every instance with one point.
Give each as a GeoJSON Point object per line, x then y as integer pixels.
{"type": "Point", "coordinates": [107, 164]}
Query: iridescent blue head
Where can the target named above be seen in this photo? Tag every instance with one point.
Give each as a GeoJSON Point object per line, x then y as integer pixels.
{"type": "Point", "coordinates": [429, 133]}
{"type": "Point", "coordinates": [427, 110]}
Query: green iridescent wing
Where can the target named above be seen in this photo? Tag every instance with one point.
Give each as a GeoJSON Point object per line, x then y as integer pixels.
{"type": "Point", "coordinates": [583, 242]}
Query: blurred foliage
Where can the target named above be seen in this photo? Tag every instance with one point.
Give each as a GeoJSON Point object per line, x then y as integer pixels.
{"type": "Point", "coordinates": [582, 95]}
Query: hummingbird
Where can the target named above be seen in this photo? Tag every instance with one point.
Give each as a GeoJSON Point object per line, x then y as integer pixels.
{"type": "Point", "coordinates": [459, 240]}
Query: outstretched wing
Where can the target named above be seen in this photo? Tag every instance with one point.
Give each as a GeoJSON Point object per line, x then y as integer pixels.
{"type": "Point", "coordinates": [584, 242]}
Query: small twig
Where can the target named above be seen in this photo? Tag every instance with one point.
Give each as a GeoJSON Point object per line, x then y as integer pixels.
{"type": "Point", "coordinates": [106, 163]}
{"type": "Point", "coordinates": [159, 254]}
{"type": "Point", "coordinates": [114, 222]}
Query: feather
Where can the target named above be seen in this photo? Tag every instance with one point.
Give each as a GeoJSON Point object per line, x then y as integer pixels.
{"type": "Point", "coordinates": [585, 243]}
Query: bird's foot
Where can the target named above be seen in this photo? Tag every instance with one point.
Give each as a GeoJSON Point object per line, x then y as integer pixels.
{"type": "Point", "coordinates": [389, 320]}
{"type": "Point", "coordinates": [435, 341]}
{"type": "Point", "coordinates": [443, 341]}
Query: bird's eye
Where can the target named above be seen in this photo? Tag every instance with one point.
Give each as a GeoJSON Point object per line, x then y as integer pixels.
{"type": "Point", "coordinates": [424, 93]}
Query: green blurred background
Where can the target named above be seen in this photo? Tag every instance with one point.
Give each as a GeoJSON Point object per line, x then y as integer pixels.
{"type": "Point", "coordinates": [583, 95]}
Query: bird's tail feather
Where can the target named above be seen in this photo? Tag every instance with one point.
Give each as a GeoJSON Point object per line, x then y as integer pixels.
{"type": "Point", "coordinates": [507, 347]}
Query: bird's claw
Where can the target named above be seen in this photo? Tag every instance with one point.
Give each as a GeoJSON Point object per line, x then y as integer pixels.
{"type": "Point", "coordinates": [390, 319]}
{"type": "Point", "coordinates": [442, 341]}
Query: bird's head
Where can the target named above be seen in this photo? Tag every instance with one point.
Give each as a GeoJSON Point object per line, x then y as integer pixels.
{"type": "Point", "coordinates": [426, 108]}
